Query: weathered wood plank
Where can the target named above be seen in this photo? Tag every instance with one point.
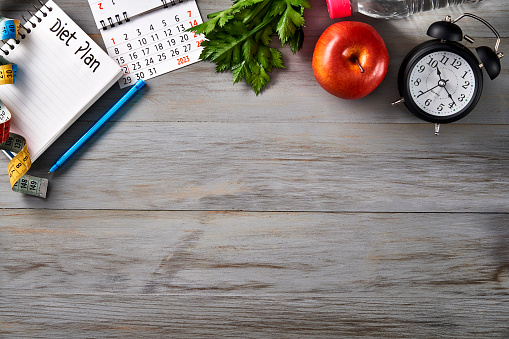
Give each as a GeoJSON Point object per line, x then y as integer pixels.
{"type": "Point", "coordinates": [136, 274]}
{"type": "Point", "coordinates": [146, 252]}
{"type": "Point", "coordinates": [285, 166]}
{"type": "Point", "coordinates": [197, 316]}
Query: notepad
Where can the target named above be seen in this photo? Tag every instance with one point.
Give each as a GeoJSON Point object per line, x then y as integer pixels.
{"type": "Point", "coordinates": [148, 38]}
{"type": "Point", "coordinates": [61, 72]}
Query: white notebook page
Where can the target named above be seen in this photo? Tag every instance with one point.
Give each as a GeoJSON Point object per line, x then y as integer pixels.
{"type": "Point", "coordinates": [61, 73]}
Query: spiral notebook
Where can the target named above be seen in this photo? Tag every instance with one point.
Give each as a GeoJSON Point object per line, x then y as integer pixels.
{"type": "Point", "coordinates": [61, 72]}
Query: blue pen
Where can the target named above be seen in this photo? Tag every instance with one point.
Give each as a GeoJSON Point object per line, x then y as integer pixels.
{"type": "Point", "coordinates": [97, 126]}
{"type": "Point", "coordinates": [9, 154]}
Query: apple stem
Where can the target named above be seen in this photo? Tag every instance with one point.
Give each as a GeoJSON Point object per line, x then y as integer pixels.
{"type": "Point", "coordinates": [358, 64]}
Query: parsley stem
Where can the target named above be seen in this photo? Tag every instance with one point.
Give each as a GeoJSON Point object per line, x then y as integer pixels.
{"type": "Point", "coordinates": [255, 30]}
{"type": "Point", "coordinates": [254, 13]}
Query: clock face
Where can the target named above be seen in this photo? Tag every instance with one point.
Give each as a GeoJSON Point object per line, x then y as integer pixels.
{"type": "Point", "coordinates": [442, 83]}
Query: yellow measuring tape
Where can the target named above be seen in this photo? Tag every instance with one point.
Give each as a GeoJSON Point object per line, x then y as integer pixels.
{"type": "Point", "coordinates": [7, 73]}
{"type": "Point", "coordinates": [20, 163]}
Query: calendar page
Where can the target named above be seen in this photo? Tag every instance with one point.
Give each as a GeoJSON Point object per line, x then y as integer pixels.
{"type": "Point", "coordinates": [155, 43]}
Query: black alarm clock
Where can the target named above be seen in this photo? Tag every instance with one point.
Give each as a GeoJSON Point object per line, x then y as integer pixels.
{"type": "Point", "coordinates": [441, 80]}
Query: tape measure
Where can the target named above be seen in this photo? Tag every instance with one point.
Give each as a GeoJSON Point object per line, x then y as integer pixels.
{"type": "Point", "coordinates": [20, 164]}
{"type": "Point", "coordinates": [9, 28]}
{"type": "Point", "coordinates": [7, 74]}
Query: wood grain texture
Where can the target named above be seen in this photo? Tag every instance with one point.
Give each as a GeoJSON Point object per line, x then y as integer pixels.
{"type": "Point", "coordinates": [254, 274]}
{"type": "Point", "coordinates": [288, 214]}
{"type": "Point", "coordinates": [284, 166]}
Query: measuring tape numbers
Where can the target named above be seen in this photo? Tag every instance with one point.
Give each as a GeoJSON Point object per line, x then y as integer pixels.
{"type": "Point", "coordinates": [7, 73]}
{"type": "Point", "coordinates": [20, 164]}
{"type": "Point", "coordinates": [9, 28]}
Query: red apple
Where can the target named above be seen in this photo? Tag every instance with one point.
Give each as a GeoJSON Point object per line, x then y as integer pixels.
{"type": "Point", "coordinates": [350, 59]}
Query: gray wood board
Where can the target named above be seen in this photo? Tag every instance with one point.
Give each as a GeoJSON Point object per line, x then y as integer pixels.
{"type": "Point", "coordinates": [142, 273]}
{"type": "Point", "coordinates": [282, 166]}
{"type": "Point", "coordinates": [281, 316]}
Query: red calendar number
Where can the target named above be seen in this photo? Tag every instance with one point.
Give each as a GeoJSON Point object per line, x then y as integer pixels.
{"type": "Point", "coordinates": [125, 69]}
{"type": "Point", "coordinates": [183, 60]}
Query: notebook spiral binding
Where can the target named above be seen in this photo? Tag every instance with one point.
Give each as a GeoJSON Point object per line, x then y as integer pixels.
{"type": "Point", "coordinates": [28, 30]}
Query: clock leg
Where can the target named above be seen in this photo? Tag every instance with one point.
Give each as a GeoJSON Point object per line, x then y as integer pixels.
{"type": "Point", "coordinates": [399, 101]}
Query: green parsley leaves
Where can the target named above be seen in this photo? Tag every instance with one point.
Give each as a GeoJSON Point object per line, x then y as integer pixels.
{"type": "Point", "coordinates": [237, 39]}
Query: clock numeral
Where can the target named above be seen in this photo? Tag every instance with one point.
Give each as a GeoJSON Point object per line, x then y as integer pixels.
{"type": "Point", "coordinates": [417, 82]}
{"type": "Point", "coordinates": [427, 102]}
{"type": "Point", "coordinates": [440, 108]}
{"type": "Point", "coordinates": [421, 69]}
{"type": "Point", "coordinates": [461, 98]}
{"type": "Point", "coordinates": [464, 75]}
{"type": "Point", "coordinates": [452, 104]}
{"type": "Point", "coordinates": [467, 83]}
{"type": "Point", "coordinates": [444, 60]}
{"type": "Point", "coordinates": [433, 63]}
{"type": "Point", "coordinates": [456, 63]}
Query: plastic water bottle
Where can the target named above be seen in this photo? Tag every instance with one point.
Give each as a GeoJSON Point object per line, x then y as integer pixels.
{"type": "Point", "coordinates": [387, 9]}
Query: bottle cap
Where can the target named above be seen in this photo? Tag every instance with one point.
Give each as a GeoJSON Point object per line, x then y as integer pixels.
{"type": "Point", "coordinates": [339, 8]}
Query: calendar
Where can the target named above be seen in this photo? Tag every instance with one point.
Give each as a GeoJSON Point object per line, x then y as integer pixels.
{"type": "Point", "coordinates": [148, 38]}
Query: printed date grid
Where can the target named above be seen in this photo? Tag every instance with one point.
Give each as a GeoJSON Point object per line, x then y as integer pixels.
{"type": "Point", "coordinates": [155, 43]}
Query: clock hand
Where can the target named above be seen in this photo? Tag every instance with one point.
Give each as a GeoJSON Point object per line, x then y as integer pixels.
{"type": "Point", "coordinates": [450, 96]}
{"type": "Point", "coordinates": [441, 83]}
{"type": "Point", "coordinates": [432, 88]}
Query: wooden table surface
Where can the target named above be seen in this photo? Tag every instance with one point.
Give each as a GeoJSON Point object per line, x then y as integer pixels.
{"type": "Point", "coordinates": [204, 210]}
